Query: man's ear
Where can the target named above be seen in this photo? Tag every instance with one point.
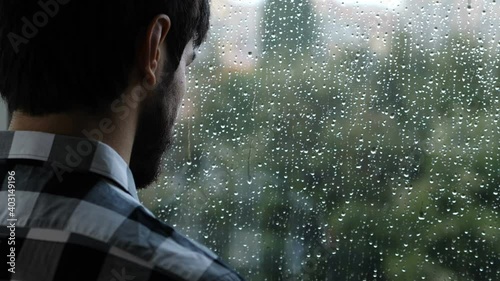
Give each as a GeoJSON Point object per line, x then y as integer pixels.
{"type": "Point", "coordinates": [150, 50]}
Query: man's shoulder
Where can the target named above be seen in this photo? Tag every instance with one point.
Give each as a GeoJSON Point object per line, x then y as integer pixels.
{"type": "Point", "coordinates": [142, 241]}
{"type": "Point", "coordinates": [160, 247]}
{"type": "Point", "coordinates": [93, 214]}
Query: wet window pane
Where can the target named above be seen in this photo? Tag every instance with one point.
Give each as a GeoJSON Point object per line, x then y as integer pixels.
{"type": "Point", "coordinates": [342, 140]}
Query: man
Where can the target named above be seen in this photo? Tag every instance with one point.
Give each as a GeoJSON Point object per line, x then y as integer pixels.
{"type": "Point", "coordinates": [94, 87]}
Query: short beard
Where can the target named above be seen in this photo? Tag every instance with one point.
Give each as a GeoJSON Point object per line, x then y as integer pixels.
{"type": "Point", "coordinates": [155, 132]}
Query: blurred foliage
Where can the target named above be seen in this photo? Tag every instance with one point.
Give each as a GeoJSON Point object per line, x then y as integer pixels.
{"type": "Point", "coordinates": [354, 166]}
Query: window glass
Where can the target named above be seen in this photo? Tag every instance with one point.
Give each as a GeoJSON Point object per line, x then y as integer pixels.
{"type": "Point", "coordinates": [342, 140]}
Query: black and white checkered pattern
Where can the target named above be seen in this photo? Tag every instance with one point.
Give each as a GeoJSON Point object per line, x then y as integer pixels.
{"type": "Point", "coordinates": [79, 218]}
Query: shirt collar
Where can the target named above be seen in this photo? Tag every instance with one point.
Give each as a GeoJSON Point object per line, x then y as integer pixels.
{"type": "Point", "coordinates": [67, 154]}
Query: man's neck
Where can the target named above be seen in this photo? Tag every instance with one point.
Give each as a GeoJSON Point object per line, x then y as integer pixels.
{"type": "Point", "coordinates": [117, 133]}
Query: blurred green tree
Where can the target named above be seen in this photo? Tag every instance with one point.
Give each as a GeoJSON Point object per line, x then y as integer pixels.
{"type": "Point", "coordinates": [361, 166]}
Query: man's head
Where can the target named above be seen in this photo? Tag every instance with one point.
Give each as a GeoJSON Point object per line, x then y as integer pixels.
{"type": "Point", "coordinates": [61, 56]}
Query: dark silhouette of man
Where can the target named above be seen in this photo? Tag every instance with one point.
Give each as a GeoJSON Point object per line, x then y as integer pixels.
{"type": "Point", "coordinates": [94, 87]}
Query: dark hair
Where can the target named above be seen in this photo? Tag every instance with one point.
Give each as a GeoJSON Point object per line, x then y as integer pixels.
{"type": "Point", "coordinates": [62, 55]}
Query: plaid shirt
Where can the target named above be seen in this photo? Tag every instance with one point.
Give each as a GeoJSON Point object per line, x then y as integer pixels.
{"type": "Point", "coordinates": [69, 211]}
